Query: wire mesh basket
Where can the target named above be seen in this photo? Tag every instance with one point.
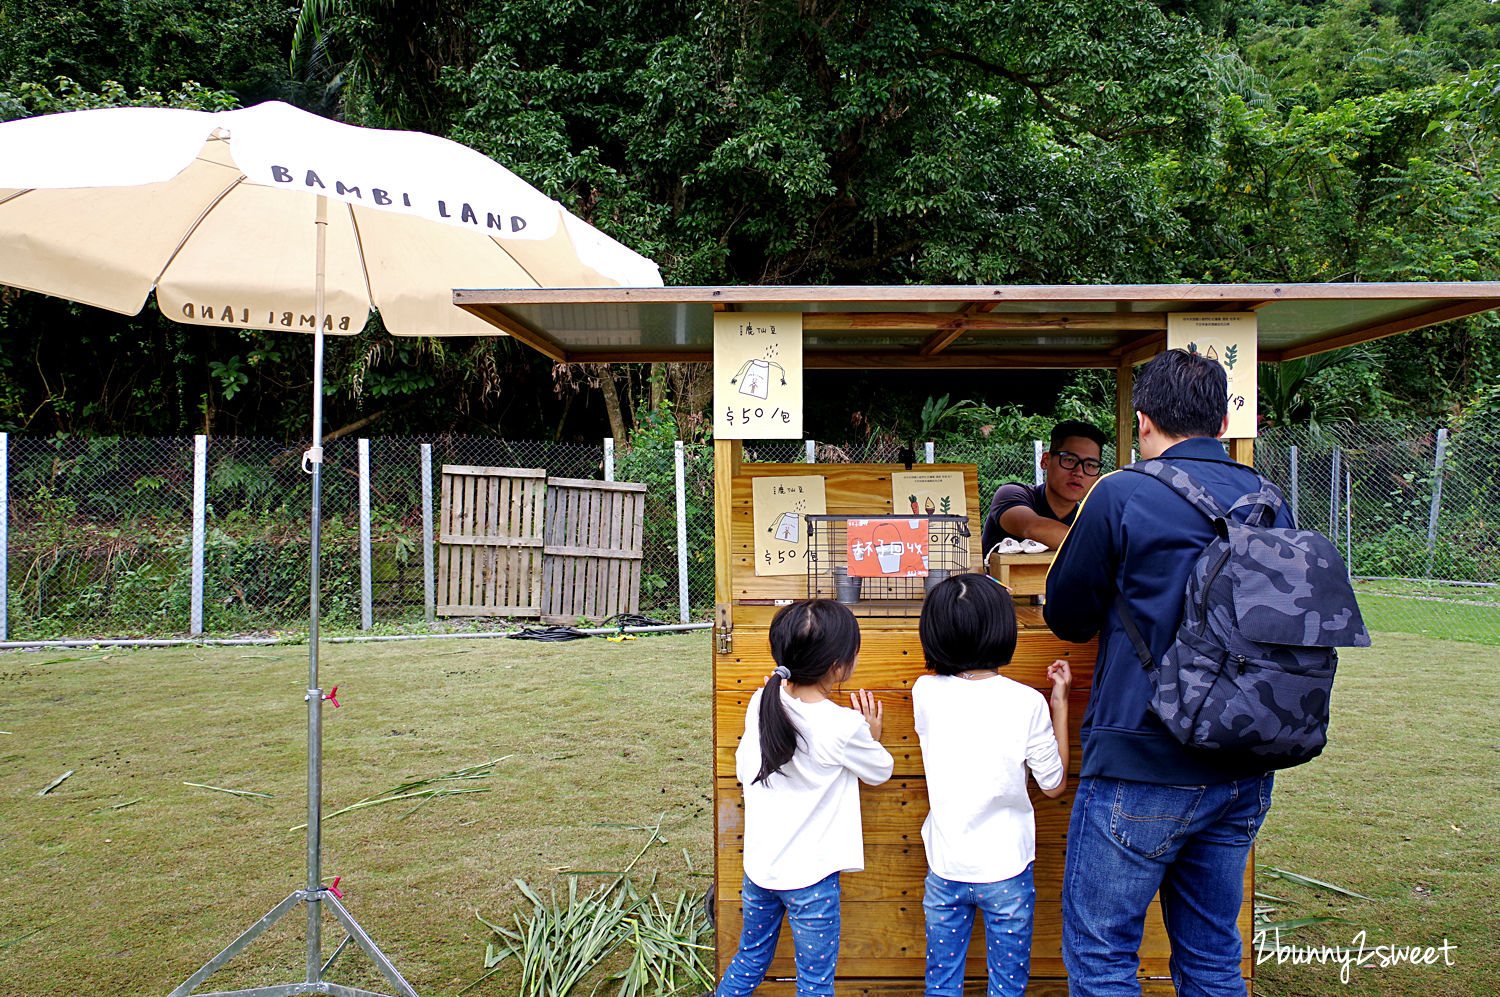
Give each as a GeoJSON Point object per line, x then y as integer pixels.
{"type": "Point", "coordinates": [893, 583]}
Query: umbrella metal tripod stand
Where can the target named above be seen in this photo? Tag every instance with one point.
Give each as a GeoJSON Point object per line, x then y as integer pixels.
{"type": "Point", "coordinates": [315, 895]}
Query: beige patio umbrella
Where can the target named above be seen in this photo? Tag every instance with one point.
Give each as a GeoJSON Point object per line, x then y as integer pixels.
{"type": "Point", "coordinates": [273, 218]}
{"type": "Point", "coordinates": [216, 213]}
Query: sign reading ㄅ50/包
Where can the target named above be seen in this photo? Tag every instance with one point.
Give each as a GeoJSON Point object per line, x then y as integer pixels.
{"type": "Point", "coordinates": [758, 376]}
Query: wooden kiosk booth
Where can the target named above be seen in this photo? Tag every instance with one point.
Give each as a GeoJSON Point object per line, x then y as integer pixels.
{"type": "Point", "coordinates": [902, 327]}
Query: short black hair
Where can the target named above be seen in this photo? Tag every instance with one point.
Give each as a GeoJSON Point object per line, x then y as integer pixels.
{"type": "Point", "coordinates": [968, 621]}
{"type": "Point", "coordinates": [1185, 394]}
{"type": "Point", "coordinates": [1075, 427]}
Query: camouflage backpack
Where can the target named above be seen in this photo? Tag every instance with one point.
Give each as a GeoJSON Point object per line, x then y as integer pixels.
{"type": "Point", "coordinates": [1251, 668]}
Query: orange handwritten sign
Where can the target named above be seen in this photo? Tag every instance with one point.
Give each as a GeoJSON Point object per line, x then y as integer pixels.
{"type": "Point", "coordinates": [887, 548]}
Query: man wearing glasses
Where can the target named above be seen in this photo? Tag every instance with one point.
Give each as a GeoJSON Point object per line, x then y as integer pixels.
{"type": "Point", "coordinates": [1042, 513]}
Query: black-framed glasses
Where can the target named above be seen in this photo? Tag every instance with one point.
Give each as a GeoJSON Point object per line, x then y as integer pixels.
{"type": "Point", "coordinates": [1069, 461]}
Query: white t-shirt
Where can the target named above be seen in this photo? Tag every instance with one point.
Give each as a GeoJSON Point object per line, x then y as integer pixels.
{"type": "Point", "coordinates": [979, 738]}
{"type": "Point", "coordinates": [803, 822]}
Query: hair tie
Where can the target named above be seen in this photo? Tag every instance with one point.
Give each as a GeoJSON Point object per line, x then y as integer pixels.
{"type": "Point", "coordinates": [782, 672]}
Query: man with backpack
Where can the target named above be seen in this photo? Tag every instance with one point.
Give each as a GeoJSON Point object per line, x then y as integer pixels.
{"type": "Point", "coordinates": [1174, 807]}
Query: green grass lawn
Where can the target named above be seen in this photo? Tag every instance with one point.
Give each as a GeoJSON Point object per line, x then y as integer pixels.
{"type": "Point", "coordinates": [1451, 612]}
{"type": "Point", "coordinates": [122, 880]}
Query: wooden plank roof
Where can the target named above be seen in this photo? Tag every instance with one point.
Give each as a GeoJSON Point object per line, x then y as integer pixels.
{"type": "Point", "coordinates": [964, 326]}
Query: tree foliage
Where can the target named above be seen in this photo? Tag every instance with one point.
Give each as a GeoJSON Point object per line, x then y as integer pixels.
{"type": "Point", "coordinates": [816, 141]}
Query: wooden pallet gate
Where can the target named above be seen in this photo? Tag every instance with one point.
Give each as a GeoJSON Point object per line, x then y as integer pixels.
{"type": "Point", "coordinates": [514, 542]}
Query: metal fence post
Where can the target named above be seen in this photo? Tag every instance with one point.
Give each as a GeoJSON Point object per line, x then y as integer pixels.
{"type": "Point", "coordinates": [812, 451]}
{"type": "Point", "coordinates": [1349, 523]}
{"type": "Point", "coordinates": [366, 609]}
{"type": "Point", "coordinates": [1437, 496]}
{"type": "Point", "coordinates": [429, 580]}
{"type": "Point", "coordinates": [4, 536]}
{"type": "Point", "coordinates": [1333, 496]}
{"type": "Point", "coordinates": [1295, 453]}
{"type": "Point", "coordinates": [200, 495]}
{"type": "Point", "coordinates": [1036, 458]}
{"type": "Point", "coordinates": [931, 456]}
{"type": "Point", "coordinates": [609, 458]}
{"type": "Point", "coordinates": [682, 558]}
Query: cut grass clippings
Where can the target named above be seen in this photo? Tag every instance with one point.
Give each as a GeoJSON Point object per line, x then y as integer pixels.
{"type": "Point", "coordinates": [55, 783]}
{"type": "Point", "coordinates": [614, 934]}
{"type": "Point", "coordinates": [424, 790]}
{"type": "Point", "coordinates": [231, 792]}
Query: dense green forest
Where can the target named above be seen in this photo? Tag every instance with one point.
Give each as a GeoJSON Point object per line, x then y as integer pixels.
{"type": "Point", "coordinates": [771, 141]}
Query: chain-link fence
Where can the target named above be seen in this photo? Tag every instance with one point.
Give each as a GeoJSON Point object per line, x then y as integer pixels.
{"type": "Point", "coordinates": [1416, 511]}
{"type": "Point", "coordinates": [100, 538]}
{"type": "Point", "coordinates": [98, 535]}
{"type": "Point", "coordinates": [1414, 508]}
{"type": "Point", "coordinates": [100, 531]}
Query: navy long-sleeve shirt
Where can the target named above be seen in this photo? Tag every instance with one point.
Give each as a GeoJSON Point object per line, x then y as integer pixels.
{"type": "Point", "coordinates": [1135, 535]}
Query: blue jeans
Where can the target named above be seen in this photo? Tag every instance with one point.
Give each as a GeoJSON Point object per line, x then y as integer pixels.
{"type": "Point", "coordinates": [1126, 841]}
{"type": "Point", "coordinates": [1007, 907]}
{"type": "Point", "coordinates": [813, 912]}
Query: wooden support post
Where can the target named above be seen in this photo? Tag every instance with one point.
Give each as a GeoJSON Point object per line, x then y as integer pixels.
{"type": "Point", "coordinates": [727, 454]}
{"type": "Point", "coordinates": [1124, 414]}
{"type": "Point", "coordinates": [1242, 451]}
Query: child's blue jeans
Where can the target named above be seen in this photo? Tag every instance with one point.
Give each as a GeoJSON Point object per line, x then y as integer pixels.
{"type": "Point", "coordinates": [1007, 909]}
{"type": "Point", "coordinates": [812, 911]}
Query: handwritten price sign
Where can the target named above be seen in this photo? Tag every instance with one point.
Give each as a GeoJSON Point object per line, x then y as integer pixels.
{"type": "Point", "coordinates": [758, 376]}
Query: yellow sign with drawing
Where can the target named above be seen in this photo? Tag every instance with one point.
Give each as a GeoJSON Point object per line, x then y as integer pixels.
{"type": "Point", "coordinates": [778, 505]}
{"type": "Point", "coordinates": [1229, 338]}
{"type": "Point", "coordinates": [758, 376]}
{"type": "Point", "coordinates": [927, 493]}
{"type": "Point", "coordinates": [933, 493]}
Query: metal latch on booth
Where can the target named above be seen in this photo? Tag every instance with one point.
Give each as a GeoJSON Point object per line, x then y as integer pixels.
{"type": "Point", "coordinates": [723, 630]}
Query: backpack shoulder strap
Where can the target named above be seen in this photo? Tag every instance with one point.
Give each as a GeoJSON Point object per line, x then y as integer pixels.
{"type": "Point", "coordinates": [1264, 503]}
{"type": "Point", "coordinates": [1142, 649]}
{"type": "Point", "coordinates": [1183, 484]}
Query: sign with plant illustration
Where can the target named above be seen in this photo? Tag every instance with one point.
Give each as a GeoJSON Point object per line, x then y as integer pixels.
{"type": "Point", "coordinates": [928, 493]}
{"type": "Point", "coordinates": [1229, 338]}
{"type": "Point", "coordinates": [888, 548]}
{"type": "Point", "coordinates": [758, 376]}
{"type": "Point", "coordinates": [778, 505]}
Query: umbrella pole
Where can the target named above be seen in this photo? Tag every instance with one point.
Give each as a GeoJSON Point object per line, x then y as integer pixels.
{"type": "Point", "coordinates": [314, 693]}
{"type": "Point", "coordinates": [315, 895]}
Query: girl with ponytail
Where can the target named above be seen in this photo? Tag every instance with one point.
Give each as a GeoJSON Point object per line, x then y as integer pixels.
{"type": "Point", "coordinates": [800, 762]}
